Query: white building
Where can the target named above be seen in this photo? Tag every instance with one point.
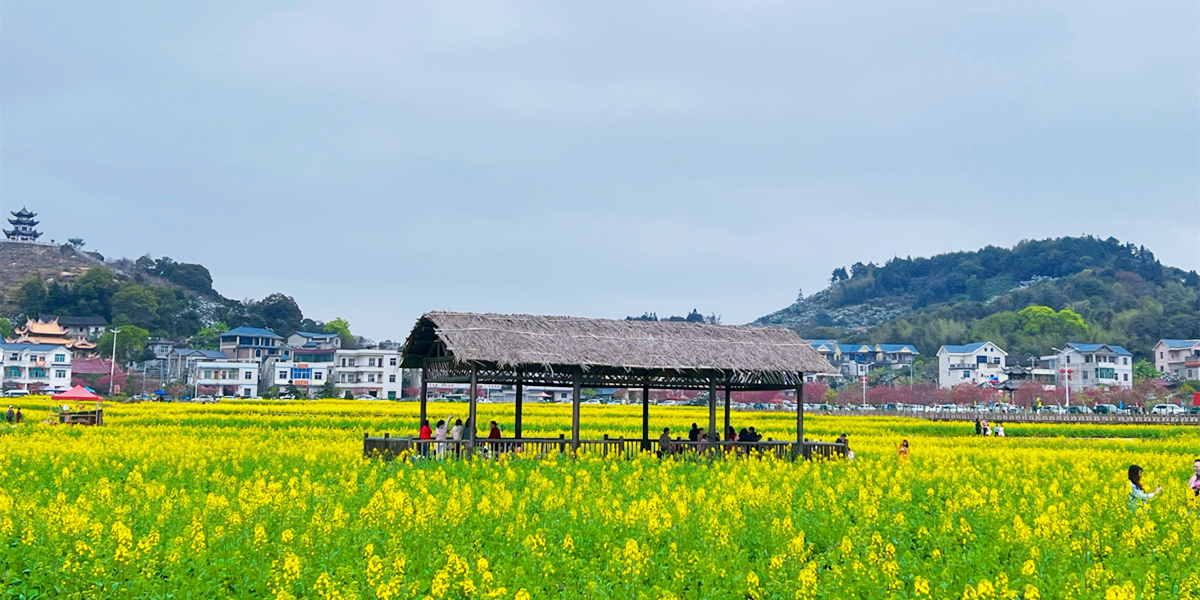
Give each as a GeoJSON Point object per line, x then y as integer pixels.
{"type": "Point", "coordinates": [309, 369]}
{"type": "Point", "coordinates": [975, 364]}
{"type": "Point", "coordinates": [1092, 365]}
{"type": "Point", "coordinates": [35, 367]}
{"type": "Point", "coordinates": [307, 339]}
{"type": "Point", "coordinates": [373, 373]}
{"type": "Point", "coordinates": [225, 378]}
{"type": "Point", "coordinates": [1178, 357]}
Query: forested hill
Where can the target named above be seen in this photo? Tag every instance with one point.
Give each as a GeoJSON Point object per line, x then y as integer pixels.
{"type": "Point", "coordinates": [145, 298]}
{"type": "Point", "coordinates": [1120, 292]}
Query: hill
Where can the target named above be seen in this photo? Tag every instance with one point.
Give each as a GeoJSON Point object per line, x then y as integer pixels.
{"type": "Point", "coordinates": [1120, 294]}
{"type": "Point", "coordinates": [160, 297]}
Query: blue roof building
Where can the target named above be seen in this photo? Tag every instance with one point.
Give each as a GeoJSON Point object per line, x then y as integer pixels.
{"type": "Point", "coordinates": [252, 344]}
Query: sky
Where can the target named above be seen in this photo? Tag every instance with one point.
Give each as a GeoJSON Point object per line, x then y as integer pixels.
{"type": "Point", "coordinates": [379, 160]}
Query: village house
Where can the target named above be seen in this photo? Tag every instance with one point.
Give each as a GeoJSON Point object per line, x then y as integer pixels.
{"type": "Point", "coordinates": [324, 341]}
{"type": "Point", "coordinates": [374, 373]}
{"type": "Point", "coordinates": [35, 367]}
{"type": "Point", "coordinates": [308, 370]}
{"type": "Point", "coordinates": [976, 363]}
{"type": "Point", "coordinates": [85, 327]}
{"type": "Point", "coordinates": [856, 360]}
{"type": "Point", "coordinates": [254, 344]}
{"type": "Point", "coordinates": [225, 378]}
{"type": "Point", "coordinates": [50, 332]}
{"type": "Point", "coordinates": [1180, 358]}
{"type": "Point", "coordinates": [1092, 365]}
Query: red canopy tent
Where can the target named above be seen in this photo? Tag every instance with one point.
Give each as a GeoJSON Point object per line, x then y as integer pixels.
{"type": "Point", "coordinates": [76, 393]}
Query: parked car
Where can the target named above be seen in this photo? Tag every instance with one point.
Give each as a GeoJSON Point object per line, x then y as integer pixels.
{"type": "Point", "coordinates": [204, 399]}
{"type": "Point", "coordinates": [1051, 409]}
{"type": "Point", "coordinates": [1193, 410]}
{"type": "Point", "coordinates": [1079, 409]}
{"type": "Point", "coordinates": [15, 393]}
{"type": "Point", "coordinates": [1110, 409]}
{"type": "Point", "coordinates": [1167, 409]}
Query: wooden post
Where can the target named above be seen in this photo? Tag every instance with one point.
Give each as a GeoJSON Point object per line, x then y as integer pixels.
{"type": "Point", "coordinates": [712, 411]}
{"type": "Point", "coordinates": [646, 416]}
{"type": "Point", "coordinates": [520, 405]}
{"type": "Point", "coordinates": [424, 398]}
{"type": "Point", "coordinates": [474, 393]}
{"type": "Point", "coordinates": [727, 424]}
{"type": "Point", "coordinates": [800, 414]}
{"type": "Point", "coordinates": [576, 400]}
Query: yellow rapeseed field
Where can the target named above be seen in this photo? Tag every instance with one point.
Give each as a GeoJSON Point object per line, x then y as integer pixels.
{"type": "Point", "coordinates": [274, 500]}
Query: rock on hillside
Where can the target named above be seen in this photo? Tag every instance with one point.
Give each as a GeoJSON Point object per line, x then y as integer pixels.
{"type": "Point", "coordinates": [819, 310]}
{"type": "Point", "coordinates": [20, 261]}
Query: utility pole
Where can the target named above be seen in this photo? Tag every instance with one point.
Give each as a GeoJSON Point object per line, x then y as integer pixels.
{"type": "Point", "coordinates": [112, 363]}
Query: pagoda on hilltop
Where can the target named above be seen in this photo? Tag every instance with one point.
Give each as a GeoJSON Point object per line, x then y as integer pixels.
{"type": "Point", "coordinates": [23, 226]}
{"type": "Point", "coordinates": [50, 332]}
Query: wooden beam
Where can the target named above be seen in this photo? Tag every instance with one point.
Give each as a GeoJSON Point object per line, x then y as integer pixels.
{"type": "Point", "coordinates": [520, 405]}
{"type": "Point", "coordinates": [576, 400]}
{"type": "Point", "coordinates": [727, 424]}
{"type": "Point", "coordinates": [473, 426]}
{"type": "Point", "coordinates": [424, 397]}
{"type": "Point", "coordinates": [646, 416]}
{"type": "Point", "coordinates": [800, 414]}
{"type": "Point", "coordinates": [712, 410]}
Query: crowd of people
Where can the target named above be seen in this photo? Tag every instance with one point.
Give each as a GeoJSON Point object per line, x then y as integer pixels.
{"type": "Point", "coordinates": [443, 436]}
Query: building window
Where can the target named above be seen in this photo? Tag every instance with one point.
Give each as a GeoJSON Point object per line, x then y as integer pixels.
{"type": "Point", "coordinates": [370, 378]}
{"type": "Point", "coordinates": [1127, 377]}
{"type": "Point", "coordinates": [298, 373]}
{"type": "Point", "coordinates": [393, 361]}
{"type": "Point", "coordinates": [1106, 373]}
{"type": "Point", "coordinates": [391, 379]}
{"type": "Point", "coordinates": [61, 373]}
{"type": "Point", "coordinates": [1084, 374]}
{"type": "Point", "coordinates": [283, 375]}
{"type": "Point", "coordinates": [58, 358]}
{"type": "Point", "coordinates": [1068, 359]}
{"type": "Point", "coordinates": [248, 375]}
{"type": "Point", "coordinates": [317, 376]}
{"type": "Point", "coordinates": [1125, 360]}
{"type": "Point", "coordinates": [351, 362]}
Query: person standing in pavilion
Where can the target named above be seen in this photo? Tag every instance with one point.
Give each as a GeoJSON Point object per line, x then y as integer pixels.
{"type": "Point", "coordinates": [426, 433]}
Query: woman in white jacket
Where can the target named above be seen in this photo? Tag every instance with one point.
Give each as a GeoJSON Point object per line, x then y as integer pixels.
{"type": "Point", "coordinates": [439, 434]}
{"type": "Point", "coordinates": [456, 434]}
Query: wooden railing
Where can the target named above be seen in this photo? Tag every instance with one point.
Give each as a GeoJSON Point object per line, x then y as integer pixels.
{"type": "Point", "coordinates": [389, 448]}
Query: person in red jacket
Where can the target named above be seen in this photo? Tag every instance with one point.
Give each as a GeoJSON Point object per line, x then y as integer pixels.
{"type": "Point", "coordinates": [425, 434]}
{"type": "Point", "coordinates": [494, 434]}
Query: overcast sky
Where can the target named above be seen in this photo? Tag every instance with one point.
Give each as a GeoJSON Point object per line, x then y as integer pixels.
{"type": "Point", "coordinates": [378, 160]}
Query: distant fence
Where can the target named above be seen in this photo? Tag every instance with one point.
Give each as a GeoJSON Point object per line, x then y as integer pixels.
{"type": "Point", "coordinates": [389, 448]}
{"type": "Point", "coordinates": [993, 417]}
{"type": "Point", "coordinates": [82, 417]}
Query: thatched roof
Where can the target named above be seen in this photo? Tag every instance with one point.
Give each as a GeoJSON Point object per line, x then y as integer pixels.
{"type": "Point", "coordinates": [514, 340]}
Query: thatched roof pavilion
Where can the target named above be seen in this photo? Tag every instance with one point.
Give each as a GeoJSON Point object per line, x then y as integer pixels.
{"type": "Point", "coordinates": [454, 347]}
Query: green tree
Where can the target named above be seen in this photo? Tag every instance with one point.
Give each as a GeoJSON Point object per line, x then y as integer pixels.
{"type": "Point", "coordinates": [341, 327]}
{"type": "Point", "coordinates": [6, 328]}
{"type": "Point", "coordinates": [209, 338]}
{"type": "Point", "coordinates": [328, 389]}
{"type": "Point", "coordinates": [31, 297]}
{"type": "Point", "coordinates": [1144, 369]}
{"type": "Point", "coordinates": [76, 242]}
{"type": "Point", "coordinates": [94, 291]}
{"type": "Point", "coordinates": [131, 341]}
{"type": "Point", "coordinates": [137, 304]}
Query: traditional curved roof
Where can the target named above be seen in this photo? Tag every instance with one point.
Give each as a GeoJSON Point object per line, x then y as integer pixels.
{"type": "Point", "coordinates": [514, 340]}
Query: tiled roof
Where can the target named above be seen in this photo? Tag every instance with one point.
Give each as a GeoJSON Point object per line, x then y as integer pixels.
{"type": "Point", "coordinates": [34, 347]}
{"type": "Point", "coordinates": [898, 348]}
{"type": "Point", "coordinates": [965, 348]}
{"type": "Point", "coordinates": [252, 332]}
{"type": "Point", "coordinates": [1180, 343]}
{"type": "Point", "coordinates": [1095, 347]}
